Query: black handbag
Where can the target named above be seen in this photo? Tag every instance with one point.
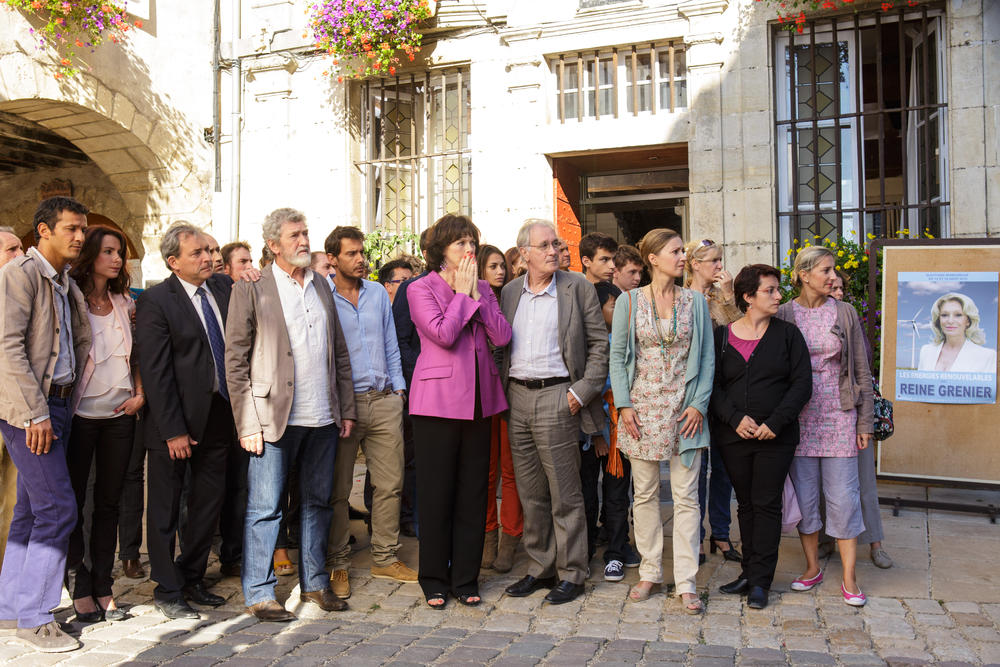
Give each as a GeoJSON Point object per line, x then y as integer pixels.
{"type": "Point", "coordinates": [883, 415]}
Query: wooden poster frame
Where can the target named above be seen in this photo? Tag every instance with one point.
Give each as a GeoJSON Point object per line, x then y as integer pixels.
{"type": "Point", "coordinates": [932, 436]}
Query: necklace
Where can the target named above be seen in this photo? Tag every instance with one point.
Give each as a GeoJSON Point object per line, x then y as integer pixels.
{"type": "Point", "coordinates": [98, 308]}
{"type": "Point", "coordinates": [669, 338]}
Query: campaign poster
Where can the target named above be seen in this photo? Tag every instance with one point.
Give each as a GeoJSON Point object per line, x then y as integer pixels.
{"type": "Point", "coordinates": [946, 337]}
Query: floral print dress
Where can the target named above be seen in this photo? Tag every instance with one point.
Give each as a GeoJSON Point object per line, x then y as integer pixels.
{"type": "Point", "coordinates": [826, 429]}
{"type": "Point", "coordinates": [658, 389]}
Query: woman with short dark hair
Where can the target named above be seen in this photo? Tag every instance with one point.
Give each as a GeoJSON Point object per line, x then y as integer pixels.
{"type": "Point", "coordinates": [762, 381]}
{"type": "Point", "coordinates": [455, 391]}
{"type": "Point", "coordinates": [106, 399]}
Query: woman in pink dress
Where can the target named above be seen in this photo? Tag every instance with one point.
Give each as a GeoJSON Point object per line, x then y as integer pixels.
{"type": "Point", "coordinates": [836, 423]}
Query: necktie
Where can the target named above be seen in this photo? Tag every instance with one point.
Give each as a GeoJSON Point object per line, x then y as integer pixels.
{"type": "Point", "coordinates": [215, 340]}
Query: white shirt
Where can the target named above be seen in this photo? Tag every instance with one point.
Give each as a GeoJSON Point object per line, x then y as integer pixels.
{"type": "Point", "coordinates": [306, 322]}
{"type": "Point", "coordinates": [196, 302]}
{"type": "Point", "coordinates": [534, 352]}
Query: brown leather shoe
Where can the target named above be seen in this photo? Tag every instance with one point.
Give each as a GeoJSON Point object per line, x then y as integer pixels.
{"type": "Point", "coordinates": [132, 569]}
{"type": "Point", "coordinates": [324, 599]}
{"type": "Point", "coordinates": [271, 610]}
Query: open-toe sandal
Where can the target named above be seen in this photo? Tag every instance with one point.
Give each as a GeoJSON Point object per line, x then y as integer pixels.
{"type": "Point", "coordinates": [469, 599]}
{"type": "Point", "coordinates": [693, 606]}
{"type": "Point", "coordinates": [437, 596]}
{"type": "Point", "coordinates": [636, 594]}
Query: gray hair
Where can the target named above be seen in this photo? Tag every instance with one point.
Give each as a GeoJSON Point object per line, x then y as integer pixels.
{"type": "Point", "coordinates": [7, 230]}
{"type": "Point", "coordinates": [170, 244]}
{"type": "Point", "coordinates": [524, 233]}
{"type": "Point", "coordinates": [278, 217]}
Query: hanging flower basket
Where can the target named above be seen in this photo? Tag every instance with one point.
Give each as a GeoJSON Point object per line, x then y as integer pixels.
{"type": "Point", "coordinates": [73, 25]}
{"type": "Point", "coordinates": [367, 37]}
{"type": "Point", "coordinates": [791, 13]}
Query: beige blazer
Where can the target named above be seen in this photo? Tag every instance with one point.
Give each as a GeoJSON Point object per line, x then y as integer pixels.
{"type": "Point", "coordinates": [29, 344]}
{"type": "Point", "coordinates": [260, 373]}
{"type": "Point", "coordinates": [583, 341]}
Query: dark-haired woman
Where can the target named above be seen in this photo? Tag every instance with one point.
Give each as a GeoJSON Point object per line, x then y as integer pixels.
{"type": "Point", "coordinates": [762, 381]}
{"type": "Point", "coordinates": [455, 390]}
{"type": "Point", "coordinates": [498, 550]}
{"type": "Point", "coordinates": [106, 399]}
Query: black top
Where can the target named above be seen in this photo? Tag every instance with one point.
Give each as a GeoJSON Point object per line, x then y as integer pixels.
{"type": "Point", "coordinates": [771, 387]}
{"type": "Point", "coordinates": [406, 332]}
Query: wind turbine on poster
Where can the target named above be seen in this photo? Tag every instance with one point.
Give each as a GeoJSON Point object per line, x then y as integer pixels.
{"type": "Point", "coordinates": [913, 336]}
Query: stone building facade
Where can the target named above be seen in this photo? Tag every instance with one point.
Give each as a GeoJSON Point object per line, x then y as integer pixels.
{"type": "Point", "coordinates": [615, 115]}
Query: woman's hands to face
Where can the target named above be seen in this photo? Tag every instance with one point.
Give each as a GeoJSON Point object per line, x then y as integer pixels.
{"type": "Point", "coordinates": [724, 281]}
{"type": "Point", "coordinates": [630, 421]}
{"type": "Point", "coordinates": [864, 439]}
{"type": "Point", "coordinates": [691, 422]}
{"type": "Point", "coordinates": [466, 281]}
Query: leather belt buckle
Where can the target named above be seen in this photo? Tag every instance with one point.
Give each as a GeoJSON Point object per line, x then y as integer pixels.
{"type": "Point", "coordinates": [60, 390]}
{"type": "Point", "coordinates": [541, 383]}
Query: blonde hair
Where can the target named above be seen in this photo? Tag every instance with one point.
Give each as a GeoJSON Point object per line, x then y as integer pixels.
{"type": "Point", "coordinates": [695, 251]}
{"type": "Point", "coordinates": [806, 260]}
{"type": "Point", "coordinates": [653, 242]}
{"type": "Point", "coordinates": [969, 309]}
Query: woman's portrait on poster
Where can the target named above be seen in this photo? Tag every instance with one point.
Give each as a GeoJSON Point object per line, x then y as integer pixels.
{"type": "Point", "coordinates": [958, 344]}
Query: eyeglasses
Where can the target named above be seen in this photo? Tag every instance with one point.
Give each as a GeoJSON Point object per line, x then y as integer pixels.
{"type": "Point", "coordinates": [545, 247]}
{"type": "Point", "coordinates": [706, 243]}
{"type": "Point", "coordinates": [771, 291]}
{"type": "Point", "coordinates": [396, 281]}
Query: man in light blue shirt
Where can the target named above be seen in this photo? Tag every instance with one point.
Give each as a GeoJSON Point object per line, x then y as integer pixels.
{"type": "Point", "coordinates": [379, 391]}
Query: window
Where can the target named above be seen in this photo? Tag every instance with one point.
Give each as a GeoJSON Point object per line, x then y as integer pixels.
{"type": "Point", "coordinates": [416, 156]}
{"type": "Point", "coordinates": [613, 81]}
{"type": "Point", "coordinates": [860, 126]}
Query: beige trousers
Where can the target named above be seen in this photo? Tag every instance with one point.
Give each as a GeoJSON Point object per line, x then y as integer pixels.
{"type": "Point", "coordinates": [8, 496]}
{"type": "Point", "coordinates": [649, 524]}
{"type": "Point", "coordinates": [379, 434]}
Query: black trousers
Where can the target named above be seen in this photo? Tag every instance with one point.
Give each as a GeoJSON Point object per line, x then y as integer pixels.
{"type": "Point", "coordinates": [207, 490]}
{"type": "Point", "coordinates": [614, 509]}
{"type": "Point", "coordinates": [106, 443]}
{"type": "Point", "coordinates": [453, 464]}
{"type": "Point", "coordinates": [132, 501]}
{"type": "Point", "coordinates": [408, 505]}
{"type": "Point", "coordinates": [757, 470]}
{"type": "Point", "coordinates": [234, 506]}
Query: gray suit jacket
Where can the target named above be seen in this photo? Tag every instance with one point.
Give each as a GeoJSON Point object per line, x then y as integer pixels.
{"type": "Point", "coordinates": [583, 340]}
{"type": "Point", "coordinates": [259, 368]}
{"type": "Point", "coordinates": [29, 344]}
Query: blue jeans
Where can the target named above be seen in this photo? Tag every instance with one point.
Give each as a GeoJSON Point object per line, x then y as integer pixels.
{"type": "Point", "coordinates": [44, 516]}
{"type": "Point", "coordinates": [312, 452]}
{"type": "Point", "coordinates": [717, 493]}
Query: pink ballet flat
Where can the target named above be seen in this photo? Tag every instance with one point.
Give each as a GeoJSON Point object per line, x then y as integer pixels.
{"type": "Point", "coordinates": [854, 599]}
{"type": "Point", "coordinates": [801, 584]}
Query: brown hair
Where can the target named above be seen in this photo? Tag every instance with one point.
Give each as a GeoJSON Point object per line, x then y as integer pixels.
{"type": "Point", "coordinates": [332, 242]}
{"type": "Point", "coordinates": [747, 282]}
{"type": "Point", "coordinates": [228, 250]}
{"type": "Point", "coordinates": [83, 269]}
{"type": "Point", "coordinates": [447, 230]}
{"type": "Point", "coordinates": [653, 242]}
{"type": "Point", "coordinates": [594, 241]}
{"type": "Point", "coordinates": [484, 257]}
{"type": "Point", "coordinates": [512, 255]}
{"type": "Point", "coordinates": [627, 254]}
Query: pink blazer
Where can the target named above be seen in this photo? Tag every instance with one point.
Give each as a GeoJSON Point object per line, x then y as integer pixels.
{"type": "Point", "coordinates": [455, 332]}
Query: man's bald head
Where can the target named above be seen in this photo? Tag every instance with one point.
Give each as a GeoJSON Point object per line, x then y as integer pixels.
{"type": "Point", "coordinates": [10, 246]}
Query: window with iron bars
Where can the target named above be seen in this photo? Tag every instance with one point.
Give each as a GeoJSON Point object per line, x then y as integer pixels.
{"type": "Point", "coordinates": [861, 137]}
{"type": "Point", "coordinates": [416, 157]}
{"type": "Point", "coordinates": [607, 83]}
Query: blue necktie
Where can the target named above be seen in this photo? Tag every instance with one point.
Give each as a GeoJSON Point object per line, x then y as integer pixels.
{"type": "Point", "coordinates": [215, 340]}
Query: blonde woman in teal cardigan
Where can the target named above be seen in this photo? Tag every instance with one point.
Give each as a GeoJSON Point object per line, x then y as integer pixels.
{"type": "Point", "coordinates": [662, 366]}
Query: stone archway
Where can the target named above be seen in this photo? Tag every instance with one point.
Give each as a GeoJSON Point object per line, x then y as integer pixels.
{"type": "Point", "coordinates": [143, 167]}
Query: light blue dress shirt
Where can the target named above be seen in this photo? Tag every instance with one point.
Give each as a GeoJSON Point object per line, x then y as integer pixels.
{"type": "Point", "coordinates": [65, 370]}
{"type": "Point", "coordinates": [371, 338]}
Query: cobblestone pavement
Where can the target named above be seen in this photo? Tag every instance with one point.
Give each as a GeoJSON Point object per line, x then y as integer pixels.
{"type": "Point", "coordinates": [940, 604]}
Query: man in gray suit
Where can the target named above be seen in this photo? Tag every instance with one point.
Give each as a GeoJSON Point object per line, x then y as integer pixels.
{"type": "Point", "coordinates": [289, 374]}
{"type": "Point", "coordinates": [554, 371]}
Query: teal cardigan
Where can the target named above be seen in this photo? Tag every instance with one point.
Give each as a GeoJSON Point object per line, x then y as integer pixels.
{"type": "Point", "coordinates": [698, 378]}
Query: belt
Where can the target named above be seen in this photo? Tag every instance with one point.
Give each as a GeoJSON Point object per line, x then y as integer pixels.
{"type": "Point", "coordinates": [540, 383]}
{"type": "Point", "coordinates": [60, 390]}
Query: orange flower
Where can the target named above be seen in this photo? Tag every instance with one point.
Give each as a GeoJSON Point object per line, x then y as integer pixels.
{"type": "Point", "coordinates": [138, 23]}
{"type": "Point", "coordinates": [79, 43]}
{"type": "Point", "coordinates": [64, 61]}
{"type": "Point", "coordinates": [392, 71]}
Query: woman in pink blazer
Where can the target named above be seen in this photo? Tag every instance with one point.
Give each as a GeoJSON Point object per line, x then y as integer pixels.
{"type": "Point", "coordinates": [455, 390]}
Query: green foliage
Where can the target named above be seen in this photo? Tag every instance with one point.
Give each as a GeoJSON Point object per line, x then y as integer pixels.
{"type": "Point", "coordinates": [381, 246]}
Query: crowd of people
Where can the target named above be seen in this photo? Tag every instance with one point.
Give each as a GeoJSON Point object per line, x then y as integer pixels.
{"type": "Point", "coordinates": [246, 395]}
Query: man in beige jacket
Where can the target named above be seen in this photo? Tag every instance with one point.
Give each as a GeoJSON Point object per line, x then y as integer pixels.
{"type": "Point", "coordinates": [44, 332]}
{"type": "Point", "coordinates": [289, 374]}
{"type": "Point", "coordinates": [10, 248]}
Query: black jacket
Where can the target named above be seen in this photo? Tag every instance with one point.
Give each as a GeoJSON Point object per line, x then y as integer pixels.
{"type": "Point", "coordinates": [772, 387]}
{"type": "Point", "coordinates": [175, 359]}
{"type": "Point", "coordinates": [406, 332]}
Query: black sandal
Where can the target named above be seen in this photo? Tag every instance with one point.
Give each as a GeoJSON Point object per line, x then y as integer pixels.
{"type": "Point", "coordinates": [464, 598]}
{"type": "Point", "coordinates": [730, 554]}
{"type": "Point", "coordinates": [437, 596]}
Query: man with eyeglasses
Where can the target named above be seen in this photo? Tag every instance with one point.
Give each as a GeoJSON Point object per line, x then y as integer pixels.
{"type": "Point", "coordinates": [554, 372]}
{"type": "Point", "coordinates": [393, 274]}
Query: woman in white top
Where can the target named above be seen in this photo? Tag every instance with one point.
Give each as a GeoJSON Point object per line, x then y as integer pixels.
{"type": "Point", "coordinates": [107, 396]}
{"type": "Point", "coordinates": [958, 340]}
